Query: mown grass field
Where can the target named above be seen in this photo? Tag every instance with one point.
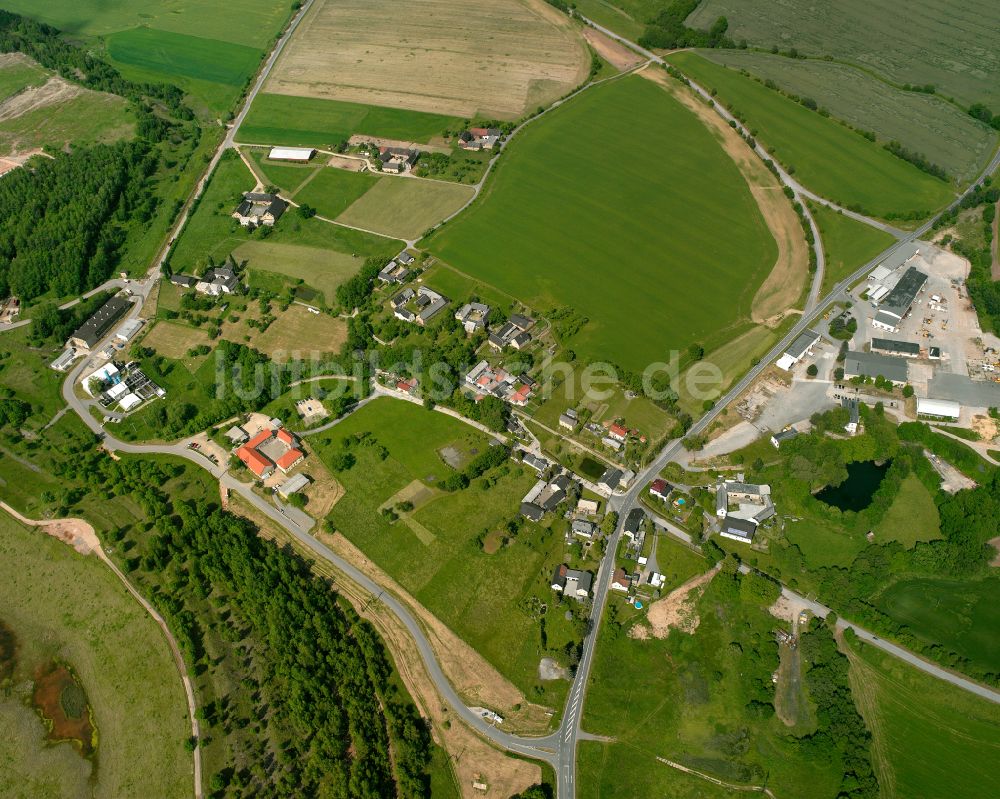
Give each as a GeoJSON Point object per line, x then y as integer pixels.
{"type": "Point", "coordinates": [924, 123]}
{"type": "Point", "coordinates": [209, 49]}
{"type": "Point", "coordinates": [437, 557]}
{"type": "Point", "coordinates": [285, 175]}
{"type": "Point", "coordinates": [212, 232]}
{"type": "Point", "coordinates": [404, 207]}
{"type": "Point", "coordinates": [912, 517]}
{"type": "Point", "coordinates": [962, 615]}
{"type": "Point", "coordinates": [314, 122]}
{"type": "Point", "coordinates": [931, 739]}
{"type": "Point", "coordinates": [630, 242]}
{"type": "Point", "coordinates": [63, 605]}
{"type": "Point", "coordinates": [333, 190]}
{"type": "Point", "coordinates": [952, 44]}
{"type": "Point", "coordinates": [847, 244]}
{"type": "Point", "coordinates": [321, 269]}
{"type": "Point", "coordinates": [826, 157]}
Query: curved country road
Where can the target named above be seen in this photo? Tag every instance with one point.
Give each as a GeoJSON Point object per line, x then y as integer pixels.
{"type": "Point", "coordinates": [171, 641]}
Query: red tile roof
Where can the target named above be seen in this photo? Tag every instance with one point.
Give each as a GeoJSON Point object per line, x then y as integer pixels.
{"type": "Point", "coordinates": [618, 430]}
{"type": "Point", "coordinates": [258, 439]}
{"type": "Point", "coordinates": [255, 462]}
{"type": "Point", "coordinates": [290, 458]}
{"type": "Point", "coordinates": [659, 486]}
{"type": "Point", "coordinates": [285, 436]}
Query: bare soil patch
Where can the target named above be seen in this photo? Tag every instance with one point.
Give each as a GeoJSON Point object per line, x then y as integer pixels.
{"type": "Point", "coordinates": [347, 164]}
{"type": "Point", "coordinates": [61, 702]}
{"type": "Point", "coordinates": [677, 609]}
{"type": "Point", "coordinates": [639, 631]}
{"type": "Point", "coordinates": [987, 427]}
{"type": "Point", "coordinates": [784, 285]}
{"type": "Point", "coordinates": [496, 58]}
{"type": "Point", "coordinates": [492, 542]}
{"type": "Point", "coordinates": [616, 54]}
{"type": "Point", "coordinates": [78, 533]}
{"type": "Point", "coordinates": [358, 139]}
{"type": "Point", "coordinates": [54, 90]}
{"type": "Point", "coordinates": [995, 543]}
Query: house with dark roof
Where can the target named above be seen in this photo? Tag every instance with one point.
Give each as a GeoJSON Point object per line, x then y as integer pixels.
{"type": "Point", "coordinates": [888, 346]}
{"type": "Point", "coordinates": [531, 511]}
{"type": "Point", "coordinates": [633, 522]}
{"type": "Point", "coordinates": [393, 272]}
{"type": "Point", "coordinates": [871, 365]}
{"type": "Point", "coordinates": [572, 582]}
{"type": "Point", "coordinates": [583, 528]}
{"type": "Point", "coordinates": [610, 480]}
{"type": "Point", "coordinates": [184, 281]}
{"type": "Point", "coordinates": [896, 304]}
{"type": "Point", "coordinates": [397, 159]}
{"type": "Point", "coordinates": [259, 208]}
{"type": "Point", "coordinates": [99, 325]}
{"type": "Point", "coordinates": [784, 435]}
{"type": "Point", "coordinates": [738, 529]}
{"type": "Point", "coordinates": [660, 489]}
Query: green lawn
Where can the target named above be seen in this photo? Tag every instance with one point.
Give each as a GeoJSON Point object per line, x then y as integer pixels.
{"type": "Point", "coordinates": [931, 739]}
{"type": "Point", "coordinates": [822, 544]}
{"type": "Point", "coordinates": [404, 207]}
{"type": "Point", "coordinates": [924, 123]}
{"type": "Point", "coordinates": [313, 122]}
{"type": "Point", "coordinates": [633, 243]}
{"type": "Point", "coordinates": [962, 615]}
{"type": "Point", "coordinates": [321, 269]}
{"type": "Point", "coordinates": [211, 232]}
{"type": "Point", "coordinates": [17, 76]}
{"type": "Point", "coordinates": [610, 16]}
{"type": "Point", "coordinates": [63, 605]}
{"type": "Point", "coordinates": [827, 157]}
{"type": "Point", "coordinates": [435, 552]}
{"type": "Point", "coordinates": [952, 44]}
{"type": "Point", "coordinates": [285, 175]}
{"type": "Point", "coordinates": [333, 190]}
{"type": "Point", "coordinates": [847, 244]}
{"type": "Point", "coordinates": [912, 517]}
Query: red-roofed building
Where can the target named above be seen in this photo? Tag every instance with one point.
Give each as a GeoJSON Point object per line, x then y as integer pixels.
{"type": "Point", "coordinates": [290, 459]}
{"type": "Point", "coordinates": [620, 581]}
{"type": "Point", "coordinates": [258, 439]}
{"type": "Point", "coordinates": [660, 489]}
{"type": "Point", "coordinates": [617, 432]}
{"type": "Point", "coordinates": [520, 397]}
{"type": "Point", "coordinates": [285, 437]}
{"type": "Point", "coordinates": [254, 461]}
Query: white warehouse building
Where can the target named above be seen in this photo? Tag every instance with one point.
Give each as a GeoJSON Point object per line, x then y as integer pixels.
{"type": "Point", "coordinates": [941, 409]}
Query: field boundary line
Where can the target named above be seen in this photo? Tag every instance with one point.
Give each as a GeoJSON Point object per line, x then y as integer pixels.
{"type": "Point", "coordinates": [171, 642]}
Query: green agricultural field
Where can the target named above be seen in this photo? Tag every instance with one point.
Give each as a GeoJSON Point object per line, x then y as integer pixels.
{"type": "Point", "coordinates": [286, 175]}
{"type": "Point", "coordinates": [631, 243]}
{"type": "Point", "coordinates": [321, 269]}
{"type": "Point", "coordinates": [88, 118]}
{"type": "Point", "coordinates": [432, 550]}
{"type": "Point", "coordinates": [314, 122]}
{"type": "Point", "coordinates": [923, 123]}
{"type": "Point", "coordinates": [962, 615]}
{"type": "Point", "coordinates": [847, 244]}
{"type": "Point", "coordinates": [931, 739]}
{"type": "Point", "coordinates": [212, 233]}
{"type": "Point", "coordinates": [63, 605]}
{"type": "Point", "coordinates": [612, 17]}
{"type": "Point", "coordinates": [822, 544]}
{"type": "Point", "coordinates": [18, 75]}
{"type": "Point", "coordinates": [403, 207]}
{"type": "Point", "coordinates": [209, 48]}
{"type": "Point", "coordinates": [827, 157]}
{"type": "Point", "coordinates": [912, 517]}
{"type": "Point", "coordinates": [333, 190]}
{"type": "Point", "coordinates": [952, 44]}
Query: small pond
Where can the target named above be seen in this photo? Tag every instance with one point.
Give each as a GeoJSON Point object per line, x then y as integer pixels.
{"type": "Point", "coordinates": [856, 492]}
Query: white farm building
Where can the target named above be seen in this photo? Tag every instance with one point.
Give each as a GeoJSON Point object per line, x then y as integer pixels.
{"type": "Point", "coordinates": [940, 409]}
{"type": "Point", "coordinates": [302, 154]}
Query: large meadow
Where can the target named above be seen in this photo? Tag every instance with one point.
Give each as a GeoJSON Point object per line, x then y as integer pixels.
{"type": "Point", "coordinates": [630, 237]}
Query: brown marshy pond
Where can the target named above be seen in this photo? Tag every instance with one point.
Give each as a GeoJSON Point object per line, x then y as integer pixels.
{"type": "Point", "coordinates": [8, 653]}
{"type": "Point", "coordinates": [62, 703]}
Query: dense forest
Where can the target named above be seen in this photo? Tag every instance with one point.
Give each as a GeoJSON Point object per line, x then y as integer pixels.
{"type": "Point", "coordinates": [317, 710]}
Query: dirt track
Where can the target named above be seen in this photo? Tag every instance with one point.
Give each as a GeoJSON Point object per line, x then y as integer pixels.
{"type": "Point", "coordinates": [787, 278]}
{"type": "Point", "coordinates": [676, 609]}
{"type": "Point", "coordinates": [618, 55]}
{"type": "Point", "coordinates": [54, 90]}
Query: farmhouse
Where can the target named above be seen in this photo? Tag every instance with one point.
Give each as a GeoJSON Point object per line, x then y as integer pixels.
{"type": "Point", "coordinates": [430, 302]}
{"type": "Point", "coordinates": [479, 138]}
{"type": "Point", "coordinates": [569, 419]}
{"type": "Point", "coordinates": [514, 332]}
{"type": "Point", "coordinates": [184, 281]}
{"type": "Point", "coordinates": [473, 316]}
{"type": "Point", "coordinates": [571, 582]}
{"type": "Point", "coordinates": [259, 208]}
{"type": "Point", "coordinates": [738, 529]}
{"type": "Point", "coordinates": [97, 326]}
{"type": "Point", "coordinates": [270, 448]}
{"type": "Point", "coordinates": [742, 506]}
{"type": "Point", "coordinates": [888, 346]}
{"type": "Point", "coordinates": [531, 511]}
{"type": "Point", "coordinates": [397, 159]}
{"type": "Point", "coordinates": [297, 154]}
{"type": "Point", "coordinates": [487, 381]}
{"type": "Point", "coordinates": [938, 409]}
{"type": "Point", "coordinates": [871, 365]}
{"type": "Point", "coordinates": [405, 258]}
{"type": "Point", "coordinates": [800, 348]}
{"type": "Point", "coordinates": [617, 432]}
{"type": "Point", "coordinates": [218, 280]}
{"type": "Point", "coordinates": [583, 528]}
{"type": "Point", "coordinates": [402, 298]}
{"type": "Point", "coordinates": [393, 272]}
{"type": "Point", "coordinates": [896, 304]}
{"type": "Point", "coordinates": [660, 489]}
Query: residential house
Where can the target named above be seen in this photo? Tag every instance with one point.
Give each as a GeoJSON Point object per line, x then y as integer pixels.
{"type": "Point", "coordinates": [633, 522]}
{"type": "Point", "coordinates": [569, 419]}
{"type": "Point", "coordinates": [473, 316]}
{"type": "Point", "coordinates": [784, 435]}
{"type": "Point", "coordinates": [572, 582]}
{"type": "Point", "coordinates": [610, 480]}
{"type": "Point", "coordinates": [259, 208]}
{"type": "Point", "coordinates": [184, 281]}
{"type": "Point", "coordinates": [217, 281]}
{"type": "Point", "coordinates": [660, 489]}
{"type": "Point", "coordinates": [393, 272]}
{"type": "Point", "coordinates": [620, 581]}
{"type": "Point", "coordinates": [512, 333]}
{"type": "Point", "coordinates": [402, 298]}
{"type": "Point", "coordinates": [405, 258]}
{"type": "Point", "coordinates": [853, 405]}
{"type": "Point", "coordinates": [617, 432]}
{"type": "Point", "coordinates": [583, 528]}
{"type": "Point", "coordinates": [536, 463]}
